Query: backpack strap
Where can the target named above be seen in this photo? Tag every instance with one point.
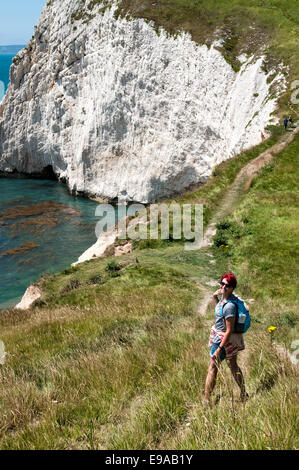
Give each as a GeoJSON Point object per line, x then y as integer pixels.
{"type": "Point", "coordinates": [234, 300]}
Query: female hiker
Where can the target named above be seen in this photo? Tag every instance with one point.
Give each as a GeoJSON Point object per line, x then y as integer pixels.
{"type": "Point", "coordinates": [285, 123]}
{"type": "Point", "coordinates": [223, 342]}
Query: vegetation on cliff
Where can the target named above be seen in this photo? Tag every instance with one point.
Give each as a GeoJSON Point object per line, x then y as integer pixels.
{"type": "Point", "coordinates": [254, 27]}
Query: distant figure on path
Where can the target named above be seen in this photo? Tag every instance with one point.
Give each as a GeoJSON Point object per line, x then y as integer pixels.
{"type": "Point", "coordinates": [223, 342]}
{"type": "Point", "coordinates": [291, 120]}
{"type": "Point", "coordinates": [285, 123]}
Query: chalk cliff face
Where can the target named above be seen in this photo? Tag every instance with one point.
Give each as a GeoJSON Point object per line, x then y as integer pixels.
{"type": "Point", "coordinates": [119, 110]}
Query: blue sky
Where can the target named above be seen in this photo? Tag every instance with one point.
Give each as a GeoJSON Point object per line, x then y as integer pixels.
{"type": "Point", "coordinates": [17, 20]}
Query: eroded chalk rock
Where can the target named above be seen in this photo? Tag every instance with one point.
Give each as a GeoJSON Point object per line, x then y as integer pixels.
{"type": "Point", "coordinates": [119, 110]}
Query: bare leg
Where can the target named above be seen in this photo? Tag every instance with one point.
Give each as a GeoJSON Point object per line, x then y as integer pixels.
{"type": "Point", "coordinates": [211, 379]}
{"type": "Point", "coordinates": [238, 376]}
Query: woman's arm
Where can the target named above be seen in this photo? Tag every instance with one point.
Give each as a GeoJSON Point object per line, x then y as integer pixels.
{"type": "Point", "coordinates": [230, 324]}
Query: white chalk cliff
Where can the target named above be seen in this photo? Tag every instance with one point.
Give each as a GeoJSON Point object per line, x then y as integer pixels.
{"type": "Point", "coordinates": [119, 110]}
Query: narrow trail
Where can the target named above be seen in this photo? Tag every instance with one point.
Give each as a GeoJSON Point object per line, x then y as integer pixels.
{"type": "Point", "coordinates": [242, 183]}
{"type": "Point", "coordinates": [238, 188]}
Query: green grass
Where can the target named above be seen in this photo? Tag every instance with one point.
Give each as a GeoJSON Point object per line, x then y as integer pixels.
{"type": "Point", "coordinates": [211, 193]}
{"type": "Point", "coordinates": [263, 243]}
{"type": "Point", "coordinates": [115, 355]}
{"type": "Point", "coordinates": [87, 355]}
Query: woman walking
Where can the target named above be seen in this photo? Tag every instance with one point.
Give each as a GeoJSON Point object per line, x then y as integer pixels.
{"type": "Point", "coordinates": [224, 343]}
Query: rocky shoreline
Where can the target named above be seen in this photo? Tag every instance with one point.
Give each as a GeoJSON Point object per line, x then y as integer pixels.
{"type": "Point", "coordinates": [108, 244]}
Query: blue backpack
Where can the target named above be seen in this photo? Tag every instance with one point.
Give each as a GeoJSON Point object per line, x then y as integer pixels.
{"type": "Point", "coordinates": [242, 318]}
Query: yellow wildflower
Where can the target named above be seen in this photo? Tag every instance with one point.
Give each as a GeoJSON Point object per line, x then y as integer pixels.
{"type": "Point", "coordinates": [271, 329]}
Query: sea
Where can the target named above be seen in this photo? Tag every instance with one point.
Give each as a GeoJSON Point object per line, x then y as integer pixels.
{"type": "Point", "coordinates": [43, 229]}
{"type": "Point", "coordinates": [5, 63]}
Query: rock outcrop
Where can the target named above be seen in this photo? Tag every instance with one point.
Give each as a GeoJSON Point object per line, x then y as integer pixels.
{"type": "Point", "coordinates": [113, 242]}
{"type": "Point", "coordinates": [117, 109]}
{"type": "Point", "coordinates": [32, 293]}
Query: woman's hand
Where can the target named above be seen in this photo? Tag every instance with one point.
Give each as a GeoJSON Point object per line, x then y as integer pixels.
{"type": "Point", "coordinates": [215, 295]}
{"type": "Point", "coordinates": [216, 355]}
{"type": "Point", "coordinates": [218, 292]}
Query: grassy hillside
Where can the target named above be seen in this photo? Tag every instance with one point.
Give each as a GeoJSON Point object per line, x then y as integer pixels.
{"type": "Point", "coordinates": [115, 355]}
{"type": "Point", "coordinates": [262, 240]}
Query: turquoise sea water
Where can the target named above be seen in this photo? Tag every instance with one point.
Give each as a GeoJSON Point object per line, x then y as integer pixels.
{"type": "Point", "coordinates": [5, 63]}
{"type": "Point", "coordinates": [42, 228]}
